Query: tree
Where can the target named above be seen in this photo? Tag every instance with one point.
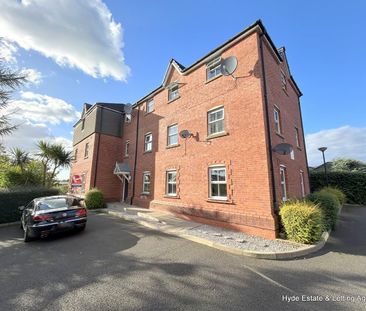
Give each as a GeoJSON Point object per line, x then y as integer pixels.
{"type": "Point", "coordinates": [348, 165]}
{"type": "Point", "coordinates": [10, 80]}
{"type": "Point", "coordinates": [61, 158]}
{"type": "Point", "coordinates": [19, 158]}
{"type": "Point", "coordinates": [45, 155]}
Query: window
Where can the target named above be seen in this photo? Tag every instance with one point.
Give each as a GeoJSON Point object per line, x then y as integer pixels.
{"type": "Point", "coordinates": [171, 183]}
{"type": "Point", "coordinates": [297, 138]}
{"type": "Point", "coordinates": [128, 118]}
{"type": "Point", "coordinates": [213, 68]}
{"type": "Point", "coordinates": [82, 124]}
{"type": "Point", "coordinates": [172, 135]}
{"type": "Point", "coordinates": [283, 183]}
{"type": "Point", "coordinates": [150, 105]}
{"type": "Point", "coordinates": [86, 152]}
{"type": "Point", "coordinates": [302, 183]}
{"type": "Point", "coordinates": [146, 182]}
{"type": "Point", "coordinates": [173, 92]}
{"type": "Point", "coordinates": [277, 120]}
{"type": "Point", "coordinates": [218, 184]}
{"type": "Point", "coordinates": [216, 121]}
{"type": "Point", "coordinates": [76, 155]}
{"type": "Point", "coordinates": [127, 146]}
{"type": "Point", "coordinates": [283, 81]}
{"type": "Point", "coordinates": [148, 142]}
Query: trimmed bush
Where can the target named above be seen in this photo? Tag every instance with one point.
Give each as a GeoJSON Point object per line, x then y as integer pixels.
{"type": "Point", "coordinates": [338, 193]}
{"type": "Point", "coordinates": [11, 199]}
{"type": "Point", "coordinates": [94, 198]}
{"type": "Point", "coordinates": [329, 204]}
{"type": "Point", "coordinates": [303, 221]}
{"type": "Point", "coordinates": [353, 184]}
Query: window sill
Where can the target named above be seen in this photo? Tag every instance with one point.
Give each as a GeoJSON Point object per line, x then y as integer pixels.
{"type": "Point", "coordinates": [145, 193]}
{"type": "Point", "coordinates": [214, 78]}
{"type": "Point", "coordinates": [280, 135]}
{"type": "Point", "coordinates": [216, 135]}
{"type": "Point", "coordinates": [171, 196]}
{"type": "Point", "coordinates": [299, 148]}
{"type": "Point", "coordinates": [150, 112]}
{"type": "Point", "coordinates": [126, 157]}
{"type": "Point", "coordinates": [174, 99]}
{"type": "Point", "coordinates": [172, 146]}
{"type": "Point", "coordinates": [219, 201]}
{"type": "Point", "coordinates": [149, 151]}
{"type": "Point", "coordinates": [86, 157]}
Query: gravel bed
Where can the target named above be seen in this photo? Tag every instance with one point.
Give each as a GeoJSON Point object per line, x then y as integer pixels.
{"type": "Point", "coordinates": [242, 240]}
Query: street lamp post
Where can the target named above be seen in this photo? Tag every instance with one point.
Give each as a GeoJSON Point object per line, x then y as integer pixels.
{"type": "Point", "coordinates": [322, 149]}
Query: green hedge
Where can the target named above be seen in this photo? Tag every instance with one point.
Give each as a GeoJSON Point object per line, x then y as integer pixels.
{"type": "Point", "coordinates": [329, 204]}
{"type": "Point", "coordinates": [303, 221]}
{"type": "Point", "coordinates": [11, 199]}
{"type": "Point", "coordinates": [353, 184]}
{"type": "Point", "coordinates": [94, 199]}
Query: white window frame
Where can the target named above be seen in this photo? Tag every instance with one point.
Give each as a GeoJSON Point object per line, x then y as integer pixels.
{"type": "Point", "coordinates": [297, 137]}
{"type": "Point", "coordinates": [277, 119]}
{"type": "Point", "coordinates": [283, 80]}
{"type": "Point", "coordinates": [169, 135]}
{"type": "Point", "coordinates": [217, 182]}
{"type": "Point", "coordinates": [128, 118]}
{"type": "Point", "coordinates": [146, 183]}
{"type": "Point", "coordinates": [213, 66]}
{"type": "Point", "coordinates": [173, 92]}
{"type": "Point", "coordinates": [127, 147]}
{"type": "Point", "coordinates": [148, 143]}
{"type": "Point", "coordinates": [86, 150]}
{"type": "Point", "coordinates": [212, 111]}
{"type": "Point", "coordinates": [302, 183]}
{"type": "Point", "coordinates": [167, 183]}
{"type": "Point", "coordinates": [150, 105]}
{"type": "Point", "coordinates": [283, 182]}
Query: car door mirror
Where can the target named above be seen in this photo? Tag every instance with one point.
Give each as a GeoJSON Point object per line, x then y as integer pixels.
{"type": "Point", "coordinates": [21, 208]}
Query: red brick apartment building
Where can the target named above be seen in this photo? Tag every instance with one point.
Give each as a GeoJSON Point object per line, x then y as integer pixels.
{"type": "Point", "coordinates": [227, 171]}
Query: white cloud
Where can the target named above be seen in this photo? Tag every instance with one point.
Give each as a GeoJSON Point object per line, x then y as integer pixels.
{"type": "Point", "coordinates": [38, 108]}
{"type": "Point", "coordinates": [345, 142]}
{"type": "Point", "coordinates": [33, 76]}
{"type": "Point", "coordinates": [8, 51]}
{"type": "Point", "coordinates": [80, 34]}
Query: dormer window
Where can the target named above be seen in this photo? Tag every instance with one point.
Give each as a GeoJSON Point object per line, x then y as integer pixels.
{"type": "Point", "coordinates": [128, 118]}
{"type": "Point", "coordinates": [83, 124]}
{"type": "Point", "coordinates": [150, 105]}
{"type": "Point", "coordinates": [213, 68]}
{"type": "Point", "coordinates": [173, 92]}
{"type": "Point", "coordinates": [283, 81]}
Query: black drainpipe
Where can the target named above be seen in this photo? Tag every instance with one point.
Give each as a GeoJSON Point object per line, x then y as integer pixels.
{"type": "Point", "coordinates": [97, 158]}
{"type": "Point", "coordinates": [274, 195]}
{"type": "Point", "coordinates": [135, 160]}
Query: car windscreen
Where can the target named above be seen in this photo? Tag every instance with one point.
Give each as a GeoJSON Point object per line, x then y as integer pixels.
{"type": "Point", "coordinates": [57, 203]}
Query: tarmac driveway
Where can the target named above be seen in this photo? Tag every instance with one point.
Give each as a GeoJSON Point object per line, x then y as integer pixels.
{"type": "Point", "coordinates": [117, 265]}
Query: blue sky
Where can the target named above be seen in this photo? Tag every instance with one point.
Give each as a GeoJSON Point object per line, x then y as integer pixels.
{"type": "Point", "coordinates": [118, 51]}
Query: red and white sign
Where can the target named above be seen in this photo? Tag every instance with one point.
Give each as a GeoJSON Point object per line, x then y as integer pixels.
{"type": "Point", "coordinates": [76, 180]}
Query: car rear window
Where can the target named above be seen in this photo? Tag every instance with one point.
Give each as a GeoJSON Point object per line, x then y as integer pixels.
{"type": "Point", "coordinates": [57, 203]}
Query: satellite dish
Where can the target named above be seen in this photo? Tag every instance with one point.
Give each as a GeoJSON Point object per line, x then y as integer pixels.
{"type": "Point", "coordinates": [229, 65]}
{"type": "Point", "coordinates": [283, 149]}
{"type": "Point", "coordinates": [185, 134]}
{"type": "Point", "coordinates": [128, 108]}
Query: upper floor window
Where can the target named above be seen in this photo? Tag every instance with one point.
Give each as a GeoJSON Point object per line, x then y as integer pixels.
{"type": "Point", "coordinates": [83, 124]}
{"type": "Point", "coordinates": [171, 182]}
{"type": "Point", "coordinates": [213, 68]}
{"type": "Point", "coordinates": [76, 154]}
{"type": "Point", "coordinates": [297, 138]}
{"type": "Point", "coordinates": [277, 120]}
{"type": "Point", "coordinates": [127, 147]}
{"type": "Point", "coordinates": [173, 92]}
{"type": "Point", "coordinates": [86, 151]}
{"type": "Point", "coordinates": [172, 135]}
{"type": "Point", "coordinates": [216, 121]}
{"type": "Point", "coordinates": [146, 182]}
{"type": "Point", "coordinates": [128, 118]}
{"type": "Point", "coordinates": [283, 183]}
{"type": "Point", "coordinates": [217, 183]}
{"type": "Point", "coordinates": [150, 105]}
{"type": "Point", "coordinates": [283, 81]}
{"type": "Point", "coordinates": [148, 142]}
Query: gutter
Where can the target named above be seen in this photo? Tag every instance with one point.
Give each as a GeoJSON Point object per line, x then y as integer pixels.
{"type": "Point", "coordinates": [274, 195]}
{"type": "Point", "coordinates": [135, 160]}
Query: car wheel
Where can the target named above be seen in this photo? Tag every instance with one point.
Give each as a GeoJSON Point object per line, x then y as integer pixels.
{"type": "Point", "coordinates": [82, 228]}
{"type": "Point", "coordinates": [26, 237]}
